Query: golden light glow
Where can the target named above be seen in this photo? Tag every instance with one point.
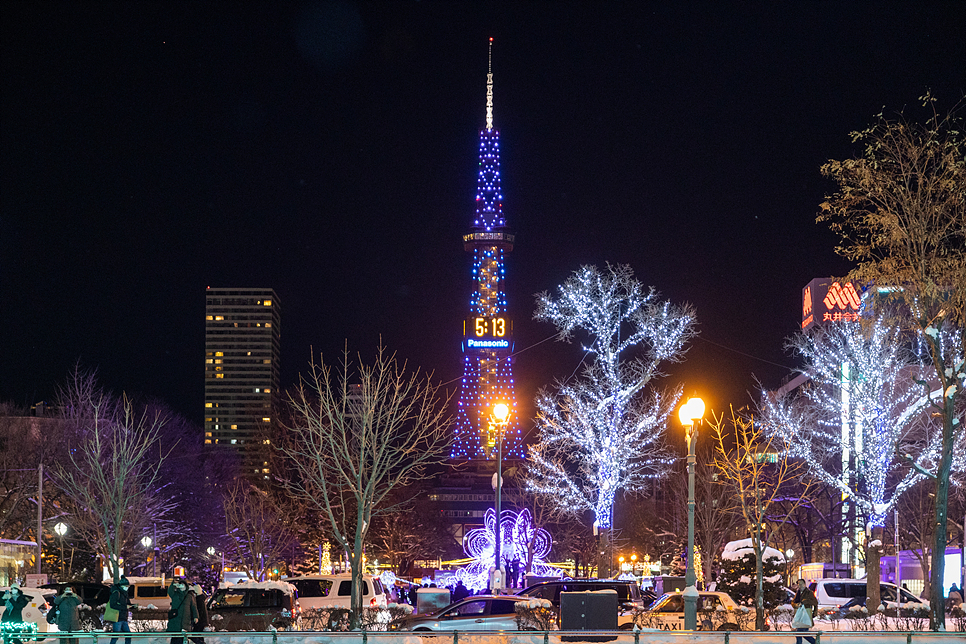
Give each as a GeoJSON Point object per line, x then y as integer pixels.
{"type": "Point", "coordinates": [691, 411]}
{"type": "Point", "coordinates": [501, 412]}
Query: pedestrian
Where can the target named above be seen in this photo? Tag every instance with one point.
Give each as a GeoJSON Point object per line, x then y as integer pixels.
{"type": "Point", "coordinates": [183, 613]}
{"type": "Point", "coordinates": [14, 601]}
{"type": "Point", "coordinates": [68, 615]}
{"type": "Point", "coordinates": [460, 592]}
{"type": "Point", "coordinates": [955, 597]}
{"type": "Point", "coordinates": [805, 606]}
{"type": "Point", "coordinates": [202, 623]}
{"type": "Point", "coordinates": [121, 602]}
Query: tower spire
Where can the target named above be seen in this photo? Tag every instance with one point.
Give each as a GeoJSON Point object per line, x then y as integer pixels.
{"type": "Point", "coordinates": [489, 88]}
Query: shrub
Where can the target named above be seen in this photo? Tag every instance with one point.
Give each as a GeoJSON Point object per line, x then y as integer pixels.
{"type": "Point", "coordinates": [536, 615]}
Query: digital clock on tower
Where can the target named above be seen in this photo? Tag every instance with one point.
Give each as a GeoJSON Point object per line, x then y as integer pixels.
{"type": "Point", "coordinates": [487, 333]}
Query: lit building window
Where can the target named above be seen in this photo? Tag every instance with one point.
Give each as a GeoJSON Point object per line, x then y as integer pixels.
{"type": "Point", "coordinates": [219, 353]}
{"type": "Point", "coordinates": [208, 317]}
{"type": "Point", "coordinates": [207, 404]}
{"type": "Point", "coordinates": [234, 427]}
{"type": "Point", "coordinates": [233, 441]}
{"type": "Point", "coordinates": [219, 375]}
{"type": "Point", "coordinates": [267, 420]}
{"type": "Point", "coordinates": [267, 303]}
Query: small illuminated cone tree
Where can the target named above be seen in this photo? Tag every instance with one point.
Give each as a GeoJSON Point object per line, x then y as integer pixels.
{"type": "Point", "coordinates": [854, 423]}
{"type": "Point", "coordinates": [601, 433]}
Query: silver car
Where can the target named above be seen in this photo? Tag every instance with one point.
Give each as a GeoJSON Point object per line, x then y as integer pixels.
{"type": "Point", "coordinates": [477, 613]}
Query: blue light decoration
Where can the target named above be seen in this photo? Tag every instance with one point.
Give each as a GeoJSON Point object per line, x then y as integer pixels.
{"type": "Point", "coordinates": [487, 350]}
{"type": "Point", "coordinates": [517, 531]}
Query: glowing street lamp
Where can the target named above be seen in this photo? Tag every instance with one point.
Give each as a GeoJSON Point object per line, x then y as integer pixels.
{"type": "Point", "coordinates": [690, 415]}
{"type": "Point", "coordinates": [61, 530]}
{"type": "Point", "coordinates": [499, 419]}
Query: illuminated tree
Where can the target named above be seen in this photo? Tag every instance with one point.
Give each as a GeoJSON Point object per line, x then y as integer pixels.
{"type": "Point", "coordinates": [359, 432]}
{"type": "Point", "coordinates": [601, 433]}
{"type": "Point", "coordinates": [900, 211]}
{"type": "Point", "coordinates": [857, 419]}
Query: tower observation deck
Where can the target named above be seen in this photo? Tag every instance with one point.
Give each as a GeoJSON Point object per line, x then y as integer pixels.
{"type": "Point", "coordinates": [487, 340]}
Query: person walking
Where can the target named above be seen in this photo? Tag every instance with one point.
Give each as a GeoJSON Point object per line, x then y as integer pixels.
{"type": "Point", "coordinates": [183, 613]}
{"type": "Point", "coordinates": [201, 603]}
{"type": "Point", "coordinates": [806, 606]}
{"type": "Point", "coordinates": [14, 601]}
{"type": "Point", "coordinates": [121, 602]}
{"type": "Point", "coordinates": [68, 615]}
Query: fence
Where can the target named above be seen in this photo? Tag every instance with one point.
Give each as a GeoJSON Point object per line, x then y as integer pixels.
{"type": "Point", "coordinates": [494, 637]}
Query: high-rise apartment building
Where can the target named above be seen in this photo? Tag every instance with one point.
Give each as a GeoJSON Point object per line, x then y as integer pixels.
{"type": "Point", "coordinates": [241, 371]}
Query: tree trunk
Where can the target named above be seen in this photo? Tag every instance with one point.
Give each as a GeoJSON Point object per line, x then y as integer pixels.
{"type": "Point", "coordinates": [604, 554]}
{"type": "Point", "coordinates": [873, 571]}
{"type": "Point", "coordinates": [759, 585]}
{"type": "Point", "coordinates": [937, 613]}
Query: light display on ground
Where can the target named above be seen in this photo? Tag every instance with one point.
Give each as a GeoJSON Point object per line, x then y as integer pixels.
{"type": "Point", "coordinates": [517, 532]}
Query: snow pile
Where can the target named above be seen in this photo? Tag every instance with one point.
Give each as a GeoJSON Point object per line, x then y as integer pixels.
{"type": "Point", "coordinates": [875, 543]}
{"type": "Point", "coordinates": [774, 579]}
{"type": "Point", "coordinates": [745, 579]}
{"type": "Point", "coordinates": [285, 587]}
{"type": "Point", "coordinates": [538, 602]}
{"type": "Point", "coordinates": [405, 608]}
{"type": "Point", "coordinates": [735, 550]}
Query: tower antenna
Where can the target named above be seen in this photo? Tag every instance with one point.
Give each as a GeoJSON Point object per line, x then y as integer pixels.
{"type": "Point", "coordinates": [489, 88]}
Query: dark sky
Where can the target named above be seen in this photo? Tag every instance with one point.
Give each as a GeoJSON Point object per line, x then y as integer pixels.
{"type": "Point", "coordinates": [327, 150]}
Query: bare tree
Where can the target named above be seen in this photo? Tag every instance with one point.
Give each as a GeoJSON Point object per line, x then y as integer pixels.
{"type": "Point", "coordinates": [761, 480]}
{"type": "Point", "coordinates": [360, 432]}
{"type": "Point", "coordinates": [900, 212]}
{"type": "Point", "coordinates": [255, 525]}
{"type": "Point", "coordinates": [112, 469]}
{"type": "Point", "coordinates": [601, 434]}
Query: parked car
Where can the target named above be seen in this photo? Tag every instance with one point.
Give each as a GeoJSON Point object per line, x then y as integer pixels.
{"type": "Point", "coordinates": [254, 606]}
{"type": "Point", "coordinates": [92, 594]}
{"type": "Point", "coordinates": [832, 593]}
{"type": "Point", "coordinates": [33, 612]}
{"type": "Point", "coordinates": [477, 613]}
{"type": "Point", "coordinates": [328, 591]}
{"type": "Point", "coordinates": [667, 613]}
{"type": "Point", "coordinates": [629, 596]}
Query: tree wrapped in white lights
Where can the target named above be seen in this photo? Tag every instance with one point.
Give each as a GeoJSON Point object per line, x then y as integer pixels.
{"type": "Point", "coordinates": [857, 420]}
{"type": "Point", "coordinates": [602, 432]}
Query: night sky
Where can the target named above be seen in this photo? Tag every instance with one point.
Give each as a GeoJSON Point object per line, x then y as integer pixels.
{"type": "Point", "coordinates": [328, 150]}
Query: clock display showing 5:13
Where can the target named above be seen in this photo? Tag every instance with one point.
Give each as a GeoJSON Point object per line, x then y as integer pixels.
{"type": "Point", "coordinates": [496, 327]}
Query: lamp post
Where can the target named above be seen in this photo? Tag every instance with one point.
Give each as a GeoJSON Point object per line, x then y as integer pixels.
{"type": "Point", "coordinates": [499, 419]}
{"type": "Point", "coordinates": [146, 542]}
{"type": "Point", "coordinates": [690, 414]}
{"type": "Point", "coordinates": [61, 530]}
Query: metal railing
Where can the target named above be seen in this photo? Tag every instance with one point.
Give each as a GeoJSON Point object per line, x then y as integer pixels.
{"type": "Point", "coordinates": [495, 637]}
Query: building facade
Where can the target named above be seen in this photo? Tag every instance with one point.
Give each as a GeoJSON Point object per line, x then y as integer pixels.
{"type": "Point", "coordinates": [242, 331]}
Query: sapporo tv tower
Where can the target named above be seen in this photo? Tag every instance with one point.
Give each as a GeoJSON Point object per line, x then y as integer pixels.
{"type": "Point", "coordinates": [488, 329]}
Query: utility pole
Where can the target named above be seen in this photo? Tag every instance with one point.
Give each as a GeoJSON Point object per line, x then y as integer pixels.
{"type": "Point", "coordinates": [40, 513]}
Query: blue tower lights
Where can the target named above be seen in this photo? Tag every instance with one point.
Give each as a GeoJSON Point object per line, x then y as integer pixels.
{"type": "Point", "coordinates": [487, 370]}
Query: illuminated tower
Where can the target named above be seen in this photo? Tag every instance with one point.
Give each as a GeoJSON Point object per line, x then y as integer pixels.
{"type": "Point", "coordinates": [488, 329]}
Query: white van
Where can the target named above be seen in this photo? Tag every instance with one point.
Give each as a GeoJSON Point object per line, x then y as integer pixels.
{"type": "Point", "coordinates": [832, 593]}
{"type": "Point", "coordinates": [327, 591]}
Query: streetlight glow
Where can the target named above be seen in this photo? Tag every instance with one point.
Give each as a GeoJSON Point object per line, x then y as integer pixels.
{"type": "Point", "coordinates": [501, 412]}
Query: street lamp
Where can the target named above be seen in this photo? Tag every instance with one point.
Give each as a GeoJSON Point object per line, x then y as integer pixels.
{"type": "Point", "coordinates": [499, 419]}
{"type": "Point", "coordinates": [61, 530]}
{"type": "Point", "coordinates": [146, 541]}
{"type": "Point", "coordinates": [691, 414]}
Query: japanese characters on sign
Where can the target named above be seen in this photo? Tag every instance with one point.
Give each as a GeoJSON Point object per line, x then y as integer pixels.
{"type": "Point", "coordinates": [826, 300]}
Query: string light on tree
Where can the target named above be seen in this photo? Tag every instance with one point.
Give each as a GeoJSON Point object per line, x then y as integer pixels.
{"type": "Point", "coordinates": [601, 433]}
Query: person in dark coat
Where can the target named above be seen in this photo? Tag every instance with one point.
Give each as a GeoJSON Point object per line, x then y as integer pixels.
{"type": "Point", "coordinates": [805, 597]}
{"type": "Point", "coordinates": [121, 602]}
{"type": "Point", "coordinates": [14, 602]}
{"type": "Point", "coordinates": [184, 610]}
{"type": "Point", "coordinates": [68, 616]}
{"type": "Point", "coordinates": [202, 623]}
{"type": "Point", "coordinates": [460, 592]}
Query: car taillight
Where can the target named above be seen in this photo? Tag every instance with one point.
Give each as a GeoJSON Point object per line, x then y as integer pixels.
{"type": "Point", "coordinates": [373, 602]}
